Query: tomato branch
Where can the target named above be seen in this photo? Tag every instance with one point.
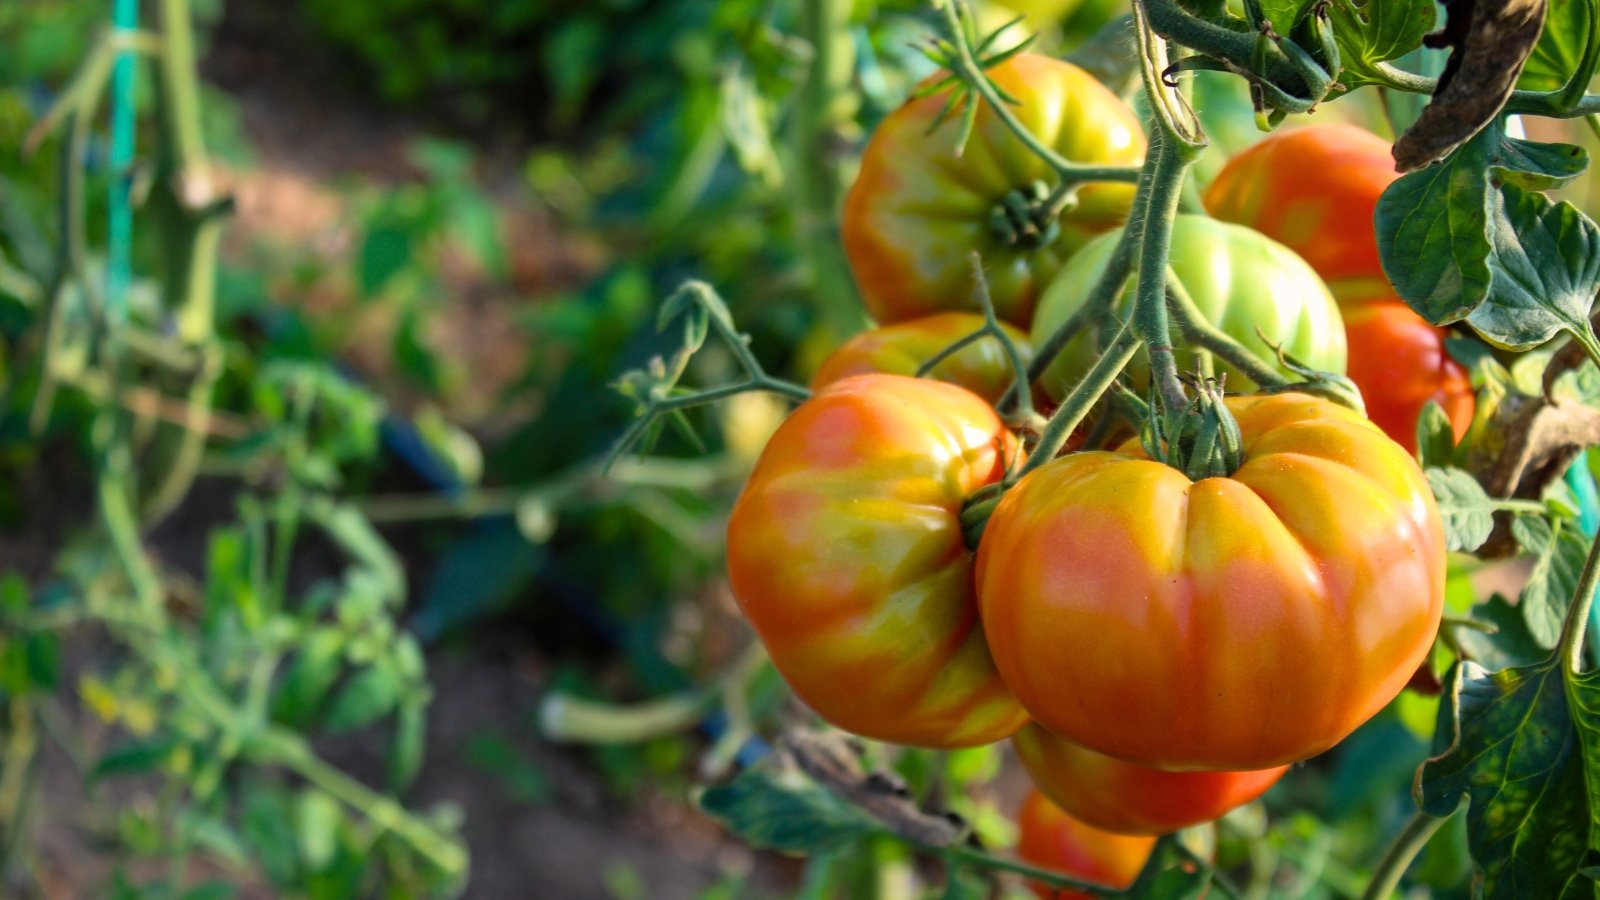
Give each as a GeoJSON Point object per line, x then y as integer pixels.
{"type": "Point", "coordinates": [1404, 849]}
{"type": "Point", "coordinates": [1155, 249]}
{"type": "Point", "coordinates": [1198, 330]}
{"type": "Point", "coordinates": [1018, 404]}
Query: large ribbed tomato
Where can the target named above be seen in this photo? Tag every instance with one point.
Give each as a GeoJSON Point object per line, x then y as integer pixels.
{"type": "Point", "coordinates": [845, 551]}
{"type": "Point", "coordinates": [1127, 798]}
{"type": "Point", "coordinates": [1239, 279]}
{"type": "Point", "coordinates": [921, 204]}
{"type": "Point", "coordinates": [1399, 362]}
{"type": "Point", "coordinates": [1051, 839]}
{"type": "Point", "coordinates": [1232, 623]}
{"type": "Point", "coordinates": [900, 349]}
{"type": "Point", "coordinates": [1316, 190]}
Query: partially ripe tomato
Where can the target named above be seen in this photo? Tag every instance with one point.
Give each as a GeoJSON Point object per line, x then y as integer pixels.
{"type": "Point", "coordinates": [921, 204]}
{"type": "Point", "coordinates": [901, 349]}
{"type": "Point", "coordinates": [1232, 623]}
{"type": "Point", "coordinates": [845, 552]}
{"type": "Point", "coordinates": [1399, 362]}
{"type": "Point", "coordinates": [1314, 189]}
{"type": "Point", "coordinates": [1239, 279]}
{"type": "Point", "coordinates": [1051, 839]}
{"type": "Point", "coordinates": [1127, 798]}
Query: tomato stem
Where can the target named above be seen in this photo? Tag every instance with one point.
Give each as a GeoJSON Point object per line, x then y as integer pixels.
{"type": "Point", "coordinates": [1577, 620]}
{"type": "Point", "coordinates": [968, 856]}
{"type": "Point", "coordinates": [1405, 848]}
{"type": "Point", "coordinates": [1155, 250]}
{"type": "Point", "coordinates": [1199, 330]}
{"type": "Point", "coordinates": [1084, 395]}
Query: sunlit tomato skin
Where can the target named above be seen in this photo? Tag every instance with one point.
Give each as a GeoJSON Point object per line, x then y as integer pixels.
{"type": "Point", "coordinates": [1051, 839]}
{"type": "Point", "coordinates": [919, 207]}
{"type": "Point", "coordinates": [1232, 623]}
{"type": "Point", "coordinates": [1126, 798]}
{"type": "Point", "coordinates": [845, 552]}
{"type": "Point", "coordinates": [1399, 362]}
{"type": "Point", "coordinates": [1240, 280]}
{"type": "Point", "coordinates": [1314, 189]}
{"type": "Point", "coordinates": [900, 349]}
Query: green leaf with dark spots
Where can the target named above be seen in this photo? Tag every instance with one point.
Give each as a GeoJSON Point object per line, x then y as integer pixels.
{"type": "Point", "coordinates": [783, 810]}
{"type": "Point", "coordinates": [1511, 748]}
{"type": "Point", "coordinates": [1546, 266]}
{"type": "Point", "coordinates": [1538, 166]}
{"type": "Point", "coordinates": [1583, 695]}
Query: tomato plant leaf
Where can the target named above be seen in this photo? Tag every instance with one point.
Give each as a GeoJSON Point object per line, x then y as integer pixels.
{"type": "Point", "coordinates": [1510, 746]}
{"type": "Point", "coordinates": [1171, 873]}
{"type": "Point", "coordinates": [1539, 166]}
{"type": "Point", "coordinates": [783, 810]}
{"type": "Point", "coordinates": [1560, 48]}
{"type": "Point", "coordinates": [1583, 694]}
{"type": "Point", "coordinates": [1374, 31]}
{"type": "Point", "coordinates": [1546, 269]}
{"type": "Point", "coordinates": [1282, 13]}
{"type": "Point", "coordinates": [1468, 511]}
{"type": "Point", "coordinates": [1560, 550]}
{"type": "Point", "coordinates": [1508, 645]}
{"type": "Point", "coordinates": [1434, 233]}
{"type": "Point", "coordinates": [1436, 440]}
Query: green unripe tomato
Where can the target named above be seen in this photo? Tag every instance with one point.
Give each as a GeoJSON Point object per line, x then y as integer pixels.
{"type": "Point", "coordinates": [1240, 279]}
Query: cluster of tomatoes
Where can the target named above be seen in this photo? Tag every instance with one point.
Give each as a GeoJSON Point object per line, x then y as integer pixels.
{"type": "Point", "coordinates": [1158, 649]}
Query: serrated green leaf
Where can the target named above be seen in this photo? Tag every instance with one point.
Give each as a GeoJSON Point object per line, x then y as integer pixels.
{"type": "Point", "coordinates": [1540, 166]}
{"type": "Point", "coordinates": [1282, 13]}
{"type": "Point", "coordinates": [1171, 873]}
{"type": "Point", "coordinates": [1511, 748]}
{"type": "Point", "coordinates": [305, 683]}
{"type": "Point", "coordinates": [1376, 31]}
{"type": "Point", "coordinates": [1508, 645]}
{"type": "Point", "coordinates": [1546, 266]}
{"type": "Point", "coordinates": [1436, 438]}
{"type": "Point", "coordinates": [1560, 46]}
{"type": "Point", "coordinates": [786, 811]}
{"type": "Point", "coordinates": [1468, 511]}
{"type": "Point", "coordinates": [1560, 551]}
{"type": "Point", "coordinates": [1433, 230]}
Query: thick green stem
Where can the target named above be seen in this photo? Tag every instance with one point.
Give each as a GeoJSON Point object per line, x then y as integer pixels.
{"type": "Point", "coordinates": [1238, 50]}
{"type": "Point", "coordinates": [1075, 408]}
{"type": "Point", "coordinates": [1404, 849]}
{"type": "Point", "coordinates": [1199, 330]}
{"type": "Point", "coordinates": [1577, 620]}
{"type": "Point", "coordinates": [1155, 250]}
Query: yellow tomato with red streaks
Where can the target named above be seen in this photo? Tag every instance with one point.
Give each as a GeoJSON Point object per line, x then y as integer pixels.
{"type": "Point", "coordinates": [1052, 839]}
{"type": "Point", "coordinates": [1231, 623]}
{"type": "Point", "coordinates": [845, 551]}
{"type": "Point", "coordinates": [922, 203]}
{"type": "Point", "coordinates": [982, 367]}
{"type": "Point", "coordinates": [1127, 798]}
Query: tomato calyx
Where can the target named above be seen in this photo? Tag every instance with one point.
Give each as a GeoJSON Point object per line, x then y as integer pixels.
{"type": "Point", "coordinates": [1028, 217]}
{"type": "Point", "coordinates": [1202, 440]}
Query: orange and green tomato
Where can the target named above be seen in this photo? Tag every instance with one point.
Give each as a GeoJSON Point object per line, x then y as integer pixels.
{"type": "Point", "coordinates": [982, 367]}
{"type": "Point", "coordinates": [1239, 279]}
{"type": "Point", "coordinates": [1314, 189]}
{"type": "Point", "coordinates": [1051, 839]}
{"type": "Point", "coordinates": [1400, 363]}
{"type": "Point", "coordinates": [922, 204]}
{"type": "Point", "coordinates": [1233, 623]}
{"type": "Point", "coordinates": [845, 552]}
{"type": "Point", "coordinates": [1131, 799]}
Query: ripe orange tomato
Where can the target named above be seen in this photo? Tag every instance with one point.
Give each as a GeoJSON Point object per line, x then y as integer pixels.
{"type": "Point", "coordinates": [1127, 798]}
{"type": "Point", "coordinates": [1232, 623]}
{"type": "Point", "coordinates": [1051, 839]}
{"type": "Point", "coordinates": [902, 348]}
{"type": "Point", "coordinates": [845, 552]}
{"type": "Point", "coordinates": [1316, 190]}
{"type": "Point", "coordinates": [921, 205]}
{"type": "Point", "coordinates": [1399, 362]}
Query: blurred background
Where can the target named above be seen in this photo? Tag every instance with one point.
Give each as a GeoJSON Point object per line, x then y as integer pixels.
{"type": "Point", "coordinates": [310, 315]}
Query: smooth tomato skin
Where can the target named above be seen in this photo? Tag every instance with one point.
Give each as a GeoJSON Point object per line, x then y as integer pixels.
{"type": "Point", "coordinates": [901, 349]}
{"type": "Point", "coordinates": [846, 554]}
{"type": "Point", "coordinates": [1119, 796]}
{"type": "Point", "coordinates": [1051, 839]}
{"type": "Point", "coordinates": [1314, 189]}
{"type": "Point", "coordinates": [1241, 280]}
{"type": "Point", "coordinates": [1233, 623]}
{"type": "Point", "coordinates": [1399, 362]}
{"type": "Point", "coordinates": [917, 209]}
